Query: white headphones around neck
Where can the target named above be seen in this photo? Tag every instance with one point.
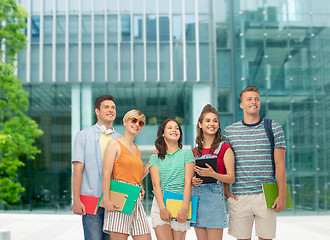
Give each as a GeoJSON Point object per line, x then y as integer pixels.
{"type": "Point", "coordinates": [103, 129]}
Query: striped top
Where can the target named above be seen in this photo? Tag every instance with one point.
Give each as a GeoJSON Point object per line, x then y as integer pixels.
{"type": "Point", "coordinates": [172, 169]}
{"type": "Point", "coordinates": [253, 159]}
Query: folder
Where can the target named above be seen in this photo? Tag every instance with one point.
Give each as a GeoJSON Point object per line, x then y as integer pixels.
{"type": "Point", "coordinates": [213, 162]}
{"type": "Point", "coordinates": [271, 193]}
{"type": "Point", "coordinates": [91, 204]}
{"type": "Point", "coordinates": [168, 198]}
{"type": "Point", "coordinates": [174, 207]}
{"type": "Point", "coordinates": [126, 194]}
{"type": "Point", "coordinates": [118, 199]}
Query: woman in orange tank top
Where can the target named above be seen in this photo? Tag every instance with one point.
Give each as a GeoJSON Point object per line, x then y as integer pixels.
{"type": "Point", "coordinates": [122, 162]}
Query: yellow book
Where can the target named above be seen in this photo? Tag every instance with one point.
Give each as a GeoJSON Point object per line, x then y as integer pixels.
{"type": "Point", "coordinates": [174, 207]}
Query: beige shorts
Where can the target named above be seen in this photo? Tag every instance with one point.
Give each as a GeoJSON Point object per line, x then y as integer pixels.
{"type": "Point", "coordinates": [248, 209]}
{"type": "Point", "coordinates": [134, 224]}
{"type": "Point", "coordinates": [157, 221]}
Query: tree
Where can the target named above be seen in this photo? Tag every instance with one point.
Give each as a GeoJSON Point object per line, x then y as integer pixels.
{"type": "Point", "coordinates": [17, 131]}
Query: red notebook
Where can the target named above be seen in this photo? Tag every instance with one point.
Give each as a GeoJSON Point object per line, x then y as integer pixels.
{"type": "Point", "coordinates": [91, 204]}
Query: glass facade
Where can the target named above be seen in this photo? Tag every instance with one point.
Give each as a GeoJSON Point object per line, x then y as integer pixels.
{"type": "Point", "coordinates": [168, 59]}
{"type": "Point", "coordinates": [280, 46]}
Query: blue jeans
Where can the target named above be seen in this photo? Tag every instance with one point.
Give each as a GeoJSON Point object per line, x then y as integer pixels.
{"type": "Point", "coordinates": [93, 226]}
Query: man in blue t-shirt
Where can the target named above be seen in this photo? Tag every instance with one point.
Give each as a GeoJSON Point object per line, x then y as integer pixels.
{"type": "Point", "coordinates": [254, 166]}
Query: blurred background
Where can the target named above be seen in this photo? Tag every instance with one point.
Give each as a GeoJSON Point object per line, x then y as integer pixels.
{"type": "Point", "coordinates": [168, 59]}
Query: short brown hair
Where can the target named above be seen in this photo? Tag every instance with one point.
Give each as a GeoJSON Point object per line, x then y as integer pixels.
{"type": "Point", "coordinates": [102, 98]}
{"type": "Point", "coordinates": [249, 89]}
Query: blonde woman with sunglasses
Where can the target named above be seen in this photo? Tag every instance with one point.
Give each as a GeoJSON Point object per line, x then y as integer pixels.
{"type": "Point", "coordinates": [122, 162]}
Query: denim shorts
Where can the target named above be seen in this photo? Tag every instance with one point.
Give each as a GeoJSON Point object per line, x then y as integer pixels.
{"type": "Point", "coordinates": [211, 208]}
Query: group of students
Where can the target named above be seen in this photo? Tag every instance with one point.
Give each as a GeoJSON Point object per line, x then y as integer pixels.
{"type": "Point", "coordinates": [244, 159]}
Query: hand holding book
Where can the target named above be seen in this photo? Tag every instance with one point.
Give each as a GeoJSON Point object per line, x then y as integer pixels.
{"type": "Point", "coordinates": [206, 171]}
{"type": "Point", "coordinates": [78, 208]}
{"type": "Point", "coordinates": [165, 214]}
{"type": "Point", "coordinates": [110, 206]}
{"type": "Point", "coordinates": [174, 201]}
{"type": "Point", "coordinates": [271, 197]}
{"type": "Point", "coordinates": [89, 205]}
{"type": "Point", "coordinates": [183, 215]}
{"type": "Point", "coordinates": [279, 204]}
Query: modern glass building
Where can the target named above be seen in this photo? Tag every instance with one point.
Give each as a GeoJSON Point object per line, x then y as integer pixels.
{"type": "Point", "coordinates": [168, 58]}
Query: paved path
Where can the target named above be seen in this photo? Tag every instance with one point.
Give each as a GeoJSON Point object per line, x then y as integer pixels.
{"type": "Point", "coordinates": [33, 226]}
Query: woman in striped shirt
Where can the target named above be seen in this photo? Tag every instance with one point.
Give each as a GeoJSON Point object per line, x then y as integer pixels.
{"type": "Point", "coordinates": [172, 170]}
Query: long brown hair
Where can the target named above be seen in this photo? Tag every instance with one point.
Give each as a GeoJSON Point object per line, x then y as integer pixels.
{"type": "Point", "coordinates": [160, 142]}
{"type": "Point", "coordinates": [200, 138]}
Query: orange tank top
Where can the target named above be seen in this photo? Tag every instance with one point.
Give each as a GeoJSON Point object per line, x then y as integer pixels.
{"type": "Point", "coordinates": [128, 167]}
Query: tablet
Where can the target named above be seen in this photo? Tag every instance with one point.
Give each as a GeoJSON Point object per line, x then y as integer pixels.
{"type": "Point", "coordinates": [213, 162]}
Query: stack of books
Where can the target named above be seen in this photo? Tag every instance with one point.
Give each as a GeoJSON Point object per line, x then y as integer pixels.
{"type": "Point", "coordinates": [173, 202]}
{"type": "Point", "coordinates": [122, 194]}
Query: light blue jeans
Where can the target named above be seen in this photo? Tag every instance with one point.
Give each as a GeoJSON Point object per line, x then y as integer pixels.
{"type": "Point", "coordinates": [211, 208]}
{"type": "Point", "coordinates": [93, 226]}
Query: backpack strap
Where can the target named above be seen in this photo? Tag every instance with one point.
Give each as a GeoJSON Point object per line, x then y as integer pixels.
{"type": "Point", "coordinates": [218, 148]}
{"type": "Point", "coordinates": [270, 135]}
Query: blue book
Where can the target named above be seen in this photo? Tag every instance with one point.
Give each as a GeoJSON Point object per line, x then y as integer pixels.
{"type": "Point", "coordinates": [168, 196]}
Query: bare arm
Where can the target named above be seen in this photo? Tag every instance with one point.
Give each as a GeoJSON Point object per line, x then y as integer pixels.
{"type": "Point", "coordinates": [229, 160]}
{"type": "Point", "coordinates": [279, 156]}
{"type": "Point", "coordinates": [77, 207]}
{"type": "Point", "coordinates": [189, 173]}
{"type": "Point", "coordinates": [112, 152]}
{"type": "Point", "coordinates": [146, 169]}
{"type": "Point", "coordinates": [145, 172]}
{"type": "Point", "coordinates": [165, 215]}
